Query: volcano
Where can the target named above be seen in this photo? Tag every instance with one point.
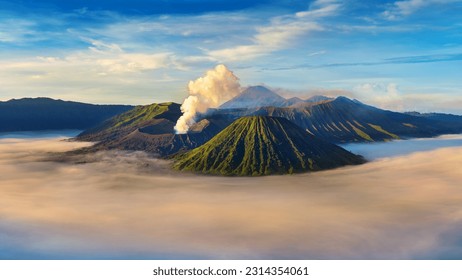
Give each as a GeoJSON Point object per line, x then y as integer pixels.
{"type": "Point", "coordinates": [150, 128]}
{"type": "Point", "coordinates": [262, 145]}
{"type": "Point", "coordinates": [254, 97]}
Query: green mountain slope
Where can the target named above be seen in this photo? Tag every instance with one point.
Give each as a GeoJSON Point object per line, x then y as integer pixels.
{"type": "Point", "coordinates": [258, 145]}
{"type": "Point", "coordinates": [344, 120]}
{"type": "Point", "coordinates": [153, 119]}
{"type": "Point", "coordinates": [151, 129]}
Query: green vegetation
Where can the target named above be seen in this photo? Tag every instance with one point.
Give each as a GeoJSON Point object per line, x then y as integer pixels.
{"type": "Point", "coordinates": [361, 133]}
{"type": "Point", "coordinates": [380, 129]}
{"type": "Point", "coordinates": [320, 117]}
{"type": "Point", "coordinates": [356, 122]}
{"type": "Point", "coordinates": [344, 127]}
{"type": "Point", "coordinates": [139, 115]}
{"type": "Point", "coordinates": [409, 125]}
{"type": "Point", "coordinates": [253, 146]}
{"type": "Point", "coordinates": [155, 117]}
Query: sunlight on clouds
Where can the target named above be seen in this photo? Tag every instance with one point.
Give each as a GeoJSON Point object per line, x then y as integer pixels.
{"type": "Point", "coordinates": [113, 59]}
{"type": "Point", "coordinates": [102, 69]}
{"type": "Point", "coordinates": [279, 34]}
{"type": "Point", "coordinates": [390, 96]}
{"type": "Point", "coordinates": [267, 40]}
{"type": "Point", "coordinates": [131, 205]}
{"type": "Point", "coordinates": [384, 96]}
{"type": "Point", "coordinates": [98, 58]}
{"type": "Point", "coordinates": [135, 62]}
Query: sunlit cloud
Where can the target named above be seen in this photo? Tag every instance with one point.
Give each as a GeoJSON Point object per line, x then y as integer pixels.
{"type": "Point", "coordinates": [390, 96]}
{"type": "Point", "coordinates": [385, 96]}
{"type": "Point", "coordinates": [279, 34]}
{"type": "Point", "coordinates": [101, 67]}
{"type": "Point", "coordinates": [130, 205]}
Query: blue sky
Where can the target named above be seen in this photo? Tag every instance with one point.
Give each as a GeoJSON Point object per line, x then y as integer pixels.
{"type": "Point", "coordinates": [399, 55]}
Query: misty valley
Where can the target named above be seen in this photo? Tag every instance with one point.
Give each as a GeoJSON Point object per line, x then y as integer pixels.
{"type": "Point", "coordinates": [131, 205]}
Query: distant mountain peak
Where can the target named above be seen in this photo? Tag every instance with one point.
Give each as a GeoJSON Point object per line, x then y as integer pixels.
{"type": "Point", "coordinates": [343, 98]}
{"type": "Point", "coordinates": [254, 97]}
{"type": "Point", "coordinates": [258, 88]}
{"type": "Point", "coordinates": [319, 98]}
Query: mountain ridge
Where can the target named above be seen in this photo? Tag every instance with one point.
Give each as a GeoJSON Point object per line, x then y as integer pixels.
{"type": "Point", "coordinates": [344, 120]}
{"type": "Point", "coordinates": [262, 145]}
{"type": "Point", "coordinates": [43, 113]}
{"type": "Point", "coordinates": [261, 96]}
{"type": "Point", "coordinates": [162, 116]}
{"type": "Point", "coordinates": [254, 96]}
{"type": "Point", "coordinates": [337, 121]}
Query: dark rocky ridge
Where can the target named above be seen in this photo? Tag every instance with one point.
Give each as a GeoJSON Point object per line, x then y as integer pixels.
{"type": "Point", "coordinates": [32, 114]}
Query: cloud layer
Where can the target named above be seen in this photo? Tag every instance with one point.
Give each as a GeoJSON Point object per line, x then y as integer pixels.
{"type": "Point", "coordinates": [112, 53]}
{"type": "Point", "coordinates": [129, 205]}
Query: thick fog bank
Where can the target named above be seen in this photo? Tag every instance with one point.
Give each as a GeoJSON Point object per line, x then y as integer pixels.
{"type": "Point", "coordinates": [130, 205]}
{"type": "Point", "coordinates": [373, 151]}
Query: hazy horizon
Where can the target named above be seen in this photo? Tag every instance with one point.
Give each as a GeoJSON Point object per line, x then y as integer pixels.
{"type": "Point", "coordinates": [450, 112]}
{"type": "Point", "coordinates": [129, 205]}
{"type": "Point", "coordinates": [399, 55]}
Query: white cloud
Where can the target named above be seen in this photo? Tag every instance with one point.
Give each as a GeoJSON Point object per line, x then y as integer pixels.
{"type": "Point", "coordinates": [21, 30]}
{"type": "Point", "coordinates": [407, 7]}
{"type": "Point", "coordinates": [135, 62]}
{"type": "Point", "coordinates": [321, 52]}
{"type": "Point", "coordinates": [15, 30]}
{"type": "Point", "coordinates": [321, 9]}
{"type": "Point", "coordinates": [391, 97]}
{"type": "Point", "coordinates": [268, 39]}
{"type": "Point", "coordinates": [111, 59]}
{"type": "Point", "coordinates": [383, 95]}
{"type": "Point", "coordinates": [279, 34]}
{"type": "Point", "coordinates": [90, 75]}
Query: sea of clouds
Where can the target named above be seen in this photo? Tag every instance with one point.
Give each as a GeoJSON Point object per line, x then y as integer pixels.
{"type": "Point", "coordinates": [129, 205]}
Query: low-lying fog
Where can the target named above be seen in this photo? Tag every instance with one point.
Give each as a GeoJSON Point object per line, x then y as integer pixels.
{"type": "Point", "coordinates": [131, 206]}
{"type": "Point", "coordinates": [373, 151]}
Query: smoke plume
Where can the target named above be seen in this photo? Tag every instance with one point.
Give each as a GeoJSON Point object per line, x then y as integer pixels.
{"type": "Point", "coordinates": [216, 87]}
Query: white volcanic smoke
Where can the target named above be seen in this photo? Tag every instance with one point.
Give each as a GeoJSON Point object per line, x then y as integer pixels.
{"type": "Point", "coordinates": [216, 87]}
